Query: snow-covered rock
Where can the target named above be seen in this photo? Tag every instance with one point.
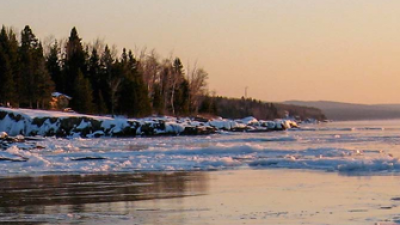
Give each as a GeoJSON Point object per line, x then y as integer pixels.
{"type": "Point", "coordinates": [3, 135]}
{"type": "Point", "coordinates": [29, 122]}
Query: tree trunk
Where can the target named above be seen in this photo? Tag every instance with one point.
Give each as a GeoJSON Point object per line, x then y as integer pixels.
{"type": "Point", "coordinates": [172, 99]}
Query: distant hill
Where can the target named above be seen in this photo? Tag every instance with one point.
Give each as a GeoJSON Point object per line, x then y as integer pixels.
{"type": "Point", "coordinates": [350, 111]}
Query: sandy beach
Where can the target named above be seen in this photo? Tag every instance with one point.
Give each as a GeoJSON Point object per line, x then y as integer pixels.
{"type": "Point", "coordinates": [219, 197]}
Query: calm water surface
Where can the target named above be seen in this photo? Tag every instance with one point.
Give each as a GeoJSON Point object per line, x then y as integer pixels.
{"type": "Point", "coordinates": [334, 173]}
{"type": "Point", "coordinates": [220, 197]}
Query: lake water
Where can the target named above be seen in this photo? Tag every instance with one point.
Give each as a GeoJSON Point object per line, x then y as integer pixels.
{"type": "Point", "coordinates": [330, 173]}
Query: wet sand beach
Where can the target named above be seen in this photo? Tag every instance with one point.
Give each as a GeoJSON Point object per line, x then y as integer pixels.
{"type": "Point", "coordinates": [217, 197]}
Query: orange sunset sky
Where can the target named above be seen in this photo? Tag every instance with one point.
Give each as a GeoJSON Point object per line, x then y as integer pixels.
{"type": "Point", "coordinates": [339, 50]}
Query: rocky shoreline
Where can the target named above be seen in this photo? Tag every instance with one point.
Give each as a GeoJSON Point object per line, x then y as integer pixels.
{"type": "Point", "coordinates": [28, 123]}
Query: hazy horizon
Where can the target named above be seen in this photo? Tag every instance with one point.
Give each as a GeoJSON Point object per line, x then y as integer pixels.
{"type": "Point", "coordinates": [309, 50]}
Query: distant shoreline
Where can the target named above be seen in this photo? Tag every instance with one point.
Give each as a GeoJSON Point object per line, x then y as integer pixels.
{"type": "Point", "coordinates": [339, 111]}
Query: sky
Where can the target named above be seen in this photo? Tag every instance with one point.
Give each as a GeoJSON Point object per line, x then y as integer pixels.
{"type": "Point", "coordinates": [336, 50]}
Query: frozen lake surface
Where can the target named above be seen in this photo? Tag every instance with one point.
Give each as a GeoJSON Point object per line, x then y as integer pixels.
{"type": "Point", "coordinates": [331, 173]}
{"type": "Point", "coordinates": [348, 147]}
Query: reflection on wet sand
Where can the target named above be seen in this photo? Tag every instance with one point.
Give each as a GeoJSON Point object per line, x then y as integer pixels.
{"type": "Point", "coordinates": [29, 199]}
{"type": "Point", "coordinates": [232, 197]}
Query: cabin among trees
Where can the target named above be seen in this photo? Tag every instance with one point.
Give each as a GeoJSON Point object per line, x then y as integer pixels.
{"type": "Point", "coordinates": [59, 101]}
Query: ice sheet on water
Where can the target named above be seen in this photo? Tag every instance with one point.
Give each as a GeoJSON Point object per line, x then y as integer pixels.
{"type": "Point", "coordinates": [215, 152]}
{"type": "Point", "coordinates": [349, 129]}
{"type": "Point", "coordinates": [336, 148]}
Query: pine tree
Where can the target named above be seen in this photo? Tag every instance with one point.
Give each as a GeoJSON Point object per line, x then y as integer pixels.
{"type": "Point", "coordinates": [114, 82]}
{"type": "Point", "coordinates": [82, 101]}
{"type": "Point", "coordinates": [127, 95]}
{"type": "Point", "coordinates": [26, 82]}
{"type": "Point", "coordinates": [106, 65]}
{"type": "Point", "coordinates": [94, 75]}
{"type": "Point", "coordinates": [112, 76]}
{"type": "Point", "coordinates": [9, 48]}
{"type": "Point", "coordinates": [75, 61]}
{"type": "Point", "coordinates": [7, 91]}
{"type": "Point", "coordinates": [4, 40]}
{"type": "Point", "coordinates": [141, 92]}
{"type": "Point", "coordinates": [54, 67]}
{"type": "Point", "coordinates": [94, 67]}
{"type": "Point", "coordinates": [182, 98]}
{"type": "Point", "coordinates": [128, 98]}
{"type": "Point", "coordinates": [13, 57]}
{"type": "Point", "coordinates": [133, 99]}
{"type": "Point", "coordinates": [43, 81]}
{"type": "Point", "coordinates": [177, 76]}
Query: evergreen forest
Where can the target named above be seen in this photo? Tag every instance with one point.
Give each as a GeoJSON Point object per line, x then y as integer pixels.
{"type": "Point", "coordinates": [102, 82]}
{"type": "Point", "coordinates": [98, 80]}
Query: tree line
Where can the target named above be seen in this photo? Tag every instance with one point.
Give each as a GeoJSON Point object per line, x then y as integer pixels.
{"type": "Point", "coordinates": [239, 108]}
{"type": "Point", "coordinates": [102, 82]}
{"type": "Point", "coordinates": [98, 79]}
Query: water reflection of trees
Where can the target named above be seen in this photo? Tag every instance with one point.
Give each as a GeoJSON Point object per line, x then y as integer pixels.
{"type": "Point", "coordinates": [38, 195]}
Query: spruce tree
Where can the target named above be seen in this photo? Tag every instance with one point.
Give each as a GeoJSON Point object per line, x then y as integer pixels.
{"type": "Point", "coordinates": [94, 75]}
{"type": "Point", "coordinates": [4, 40]}
{"type": "Point", "coordinates": [82, 101]}
{"type": "Point", "coordinates": [141, 91]}
{"type": "Point", "coordinates": [182, 98]}
{"type": "Point", "coordinates": [114, 82]}
{"type": "Point", "coordinates": [177, 76]}
{"type": "Point", "coordinates": [9, 42]}
{"type": "Point", "coordinates": [12, 52]}
{"type": "Point", "coordinates": [43, 81]}
{"type": "Point", "coordinates": [127, 91]}
{"type": "Point", "coordinates": [134, 100]}
{"type": "Point", "coordinates": [7, 91]}
{"type": "Point", "coordinates": [106, 65]}
{"type": "Point", "coordinates": [9, 49]}
{"type": "Point", "coordinates": [112, 76]}
{"type": "Point", "coordinates": [128, 98]}
{"type": "Point", "coordinates": [54, 67]}
{"type": "Point", "coordinates": [26, 82]}
{"type": "Point", "coordinates": [75, 61]}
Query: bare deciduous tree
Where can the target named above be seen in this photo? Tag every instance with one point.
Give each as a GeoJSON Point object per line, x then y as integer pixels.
{"type": "Point", "coordinates": [198, 86]}
{"type": "Point", "coordinates": [150, 67]}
